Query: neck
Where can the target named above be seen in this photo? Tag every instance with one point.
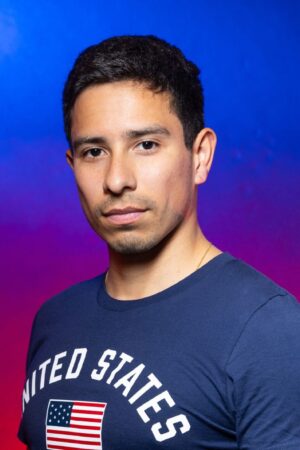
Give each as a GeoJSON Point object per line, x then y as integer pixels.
{"type": "Point", "coordinates": [140, 275]}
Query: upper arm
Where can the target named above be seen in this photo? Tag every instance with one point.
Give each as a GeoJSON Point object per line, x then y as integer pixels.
{"type": "Point", "coordinates": [263, 377]}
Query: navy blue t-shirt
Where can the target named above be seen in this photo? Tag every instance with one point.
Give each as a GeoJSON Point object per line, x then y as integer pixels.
{"type": "Point", "coordinates": [212, 362]}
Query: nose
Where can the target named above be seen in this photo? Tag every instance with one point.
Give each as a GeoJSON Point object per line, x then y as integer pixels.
{"type": "Point", "coordinates": [119, 175]}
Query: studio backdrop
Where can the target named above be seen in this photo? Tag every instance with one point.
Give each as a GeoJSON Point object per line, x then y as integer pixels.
{"type": "Point", "coordinates": [248, 53]}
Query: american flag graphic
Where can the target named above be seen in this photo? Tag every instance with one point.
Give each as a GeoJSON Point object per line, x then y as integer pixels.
{"type": "Point", "coordinates": [72, 424]}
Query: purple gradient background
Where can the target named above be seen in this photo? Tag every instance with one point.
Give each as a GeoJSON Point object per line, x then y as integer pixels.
{"type": "Point", "coordinates": [249, 55]}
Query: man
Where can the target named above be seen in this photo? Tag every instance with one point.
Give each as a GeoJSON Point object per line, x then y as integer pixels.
{"type": "Point", "coordinates": [178, 345]}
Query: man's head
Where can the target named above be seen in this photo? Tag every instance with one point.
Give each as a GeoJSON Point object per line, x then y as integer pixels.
{"type": "Point", "coordinates": [148, 60]}
{"type": "Point", "coordinates": [129, 120]}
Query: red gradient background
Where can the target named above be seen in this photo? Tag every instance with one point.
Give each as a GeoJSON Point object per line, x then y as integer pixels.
{"type": "Point", "coordinates": [249, 55]}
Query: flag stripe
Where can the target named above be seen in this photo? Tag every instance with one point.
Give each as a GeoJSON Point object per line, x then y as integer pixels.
{"type": "Point", "coordinates": [88, 408]}
{"type": "Point", "coordinates": [73, 447]}
{"type": "Point", "coordinates": [102, 405]}
{"type": "Point", "coordinates": [74, 433]}
{"type": "Point", "coordinates": [73, 438]}
{"type": "Point", "coordinates": [76, 440]}
{"type": "Point", "coordinates": [61, 448]}
{"type": "Point", "coordinates": [87, 415]}
{"type": "Point", "coordinates": [84, 419]}
{"type": "Point", "coordinates": [84, 427]}
{"type": "Point", "coordinates": [85, 423]}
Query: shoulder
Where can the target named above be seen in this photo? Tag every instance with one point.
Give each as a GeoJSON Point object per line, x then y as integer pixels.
{"type": "Point", "coordinates": [72, 304]}
{"type": "Point", "coordinates": [263, 365]}
{"type": "Point", "coordinates": [71, 300]}
{"type": "Point", "coordinates": [247, 279]}
{"type": "Point", "coordinates": [245, 288]}
{"type": "Point", "coordinates": [267, 315]}
{"type": "Point", "coordinates": [239, 299]}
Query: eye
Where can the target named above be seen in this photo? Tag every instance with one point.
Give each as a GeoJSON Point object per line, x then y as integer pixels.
{"type": "Point", "coordinates": [147, 145]}
{"type": "Point", "coordinates": [92, 152]}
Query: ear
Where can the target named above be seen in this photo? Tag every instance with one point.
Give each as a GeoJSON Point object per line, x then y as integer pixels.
{"type": "Point", "coordinates": [203, 153]}
{"type": "Point", "coordinates": [70, 158]}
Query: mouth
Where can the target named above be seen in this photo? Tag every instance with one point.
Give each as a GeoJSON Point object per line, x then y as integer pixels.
{"type": "Point", "coordinates": [124, 216]}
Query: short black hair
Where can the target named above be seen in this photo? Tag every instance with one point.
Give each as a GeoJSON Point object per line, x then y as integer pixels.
{"type": "Point", "coordinates": [162, 67]}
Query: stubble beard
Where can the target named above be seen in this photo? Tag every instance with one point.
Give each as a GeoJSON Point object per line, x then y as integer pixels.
{"type": "Point", "coordinates": [151, 242]}
{"type": "Point", "coordinates": [131, 241]}
{"type": "Point", "coordinates": [133, 245]}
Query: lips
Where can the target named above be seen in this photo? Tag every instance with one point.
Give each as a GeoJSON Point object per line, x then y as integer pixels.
{"type": "Point", "coordinates": [122, 216]}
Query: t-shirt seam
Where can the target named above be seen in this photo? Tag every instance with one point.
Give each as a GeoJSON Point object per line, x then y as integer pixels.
{"type": "Point", "coordinates": [140, 304]}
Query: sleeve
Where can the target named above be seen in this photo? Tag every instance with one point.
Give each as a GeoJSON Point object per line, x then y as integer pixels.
{"type": "Point", "coordinates": [264, 377]}
{"type": "Point", "coordinates": [21, 431]}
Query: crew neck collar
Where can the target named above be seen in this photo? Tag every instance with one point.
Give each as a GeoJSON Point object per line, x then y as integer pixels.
{"type": "Point", "coordinates": [108, 302]}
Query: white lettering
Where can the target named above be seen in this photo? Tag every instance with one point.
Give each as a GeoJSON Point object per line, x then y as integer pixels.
{"type": "Point", "coordinates": [124, 359]}
{"type": "Point", "coordinates": [129, 379]}
{"type": "Point", "coordinates": [33, 380]}
{"type": "Point", "coordinates": [43, 368]}
{"type": "Point", "coordinates": [26, 395]}
{"type": "Point", "coordinates": [112, 364]}
{"type": "Point", "coordinates": [154, 382]}
{"type": "Point", "coordinates": [56, 366]}
{"type": "Point", "coordinates": [111, 354]}
{"type": "Point", "coordinates": [154, 404]}
{"type": "Point", "coordinates": [78, 353]}
{"type": "Point", "coordinates": [184, 428]}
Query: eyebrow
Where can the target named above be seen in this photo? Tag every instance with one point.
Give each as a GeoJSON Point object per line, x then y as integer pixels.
{"type": "Point", "coordinates": [131, 134]}
{"type": "Point", "coordinates": [148, 130]}
{"type": "Point", "coordinates": [94, 140]}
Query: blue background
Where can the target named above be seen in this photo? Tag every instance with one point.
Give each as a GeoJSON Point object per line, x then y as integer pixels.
{"type": "Point", "coordinates": [248, 52]}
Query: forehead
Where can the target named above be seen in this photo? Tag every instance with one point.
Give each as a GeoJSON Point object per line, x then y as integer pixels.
{"type": "Point", "coordinates": [121, 89]}
{"type": "Point", "coordinates": [121, 105]}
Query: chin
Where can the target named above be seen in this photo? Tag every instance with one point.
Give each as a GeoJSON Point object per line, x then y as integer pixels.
{"type": "Point", "coordinates": [134, 246]}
